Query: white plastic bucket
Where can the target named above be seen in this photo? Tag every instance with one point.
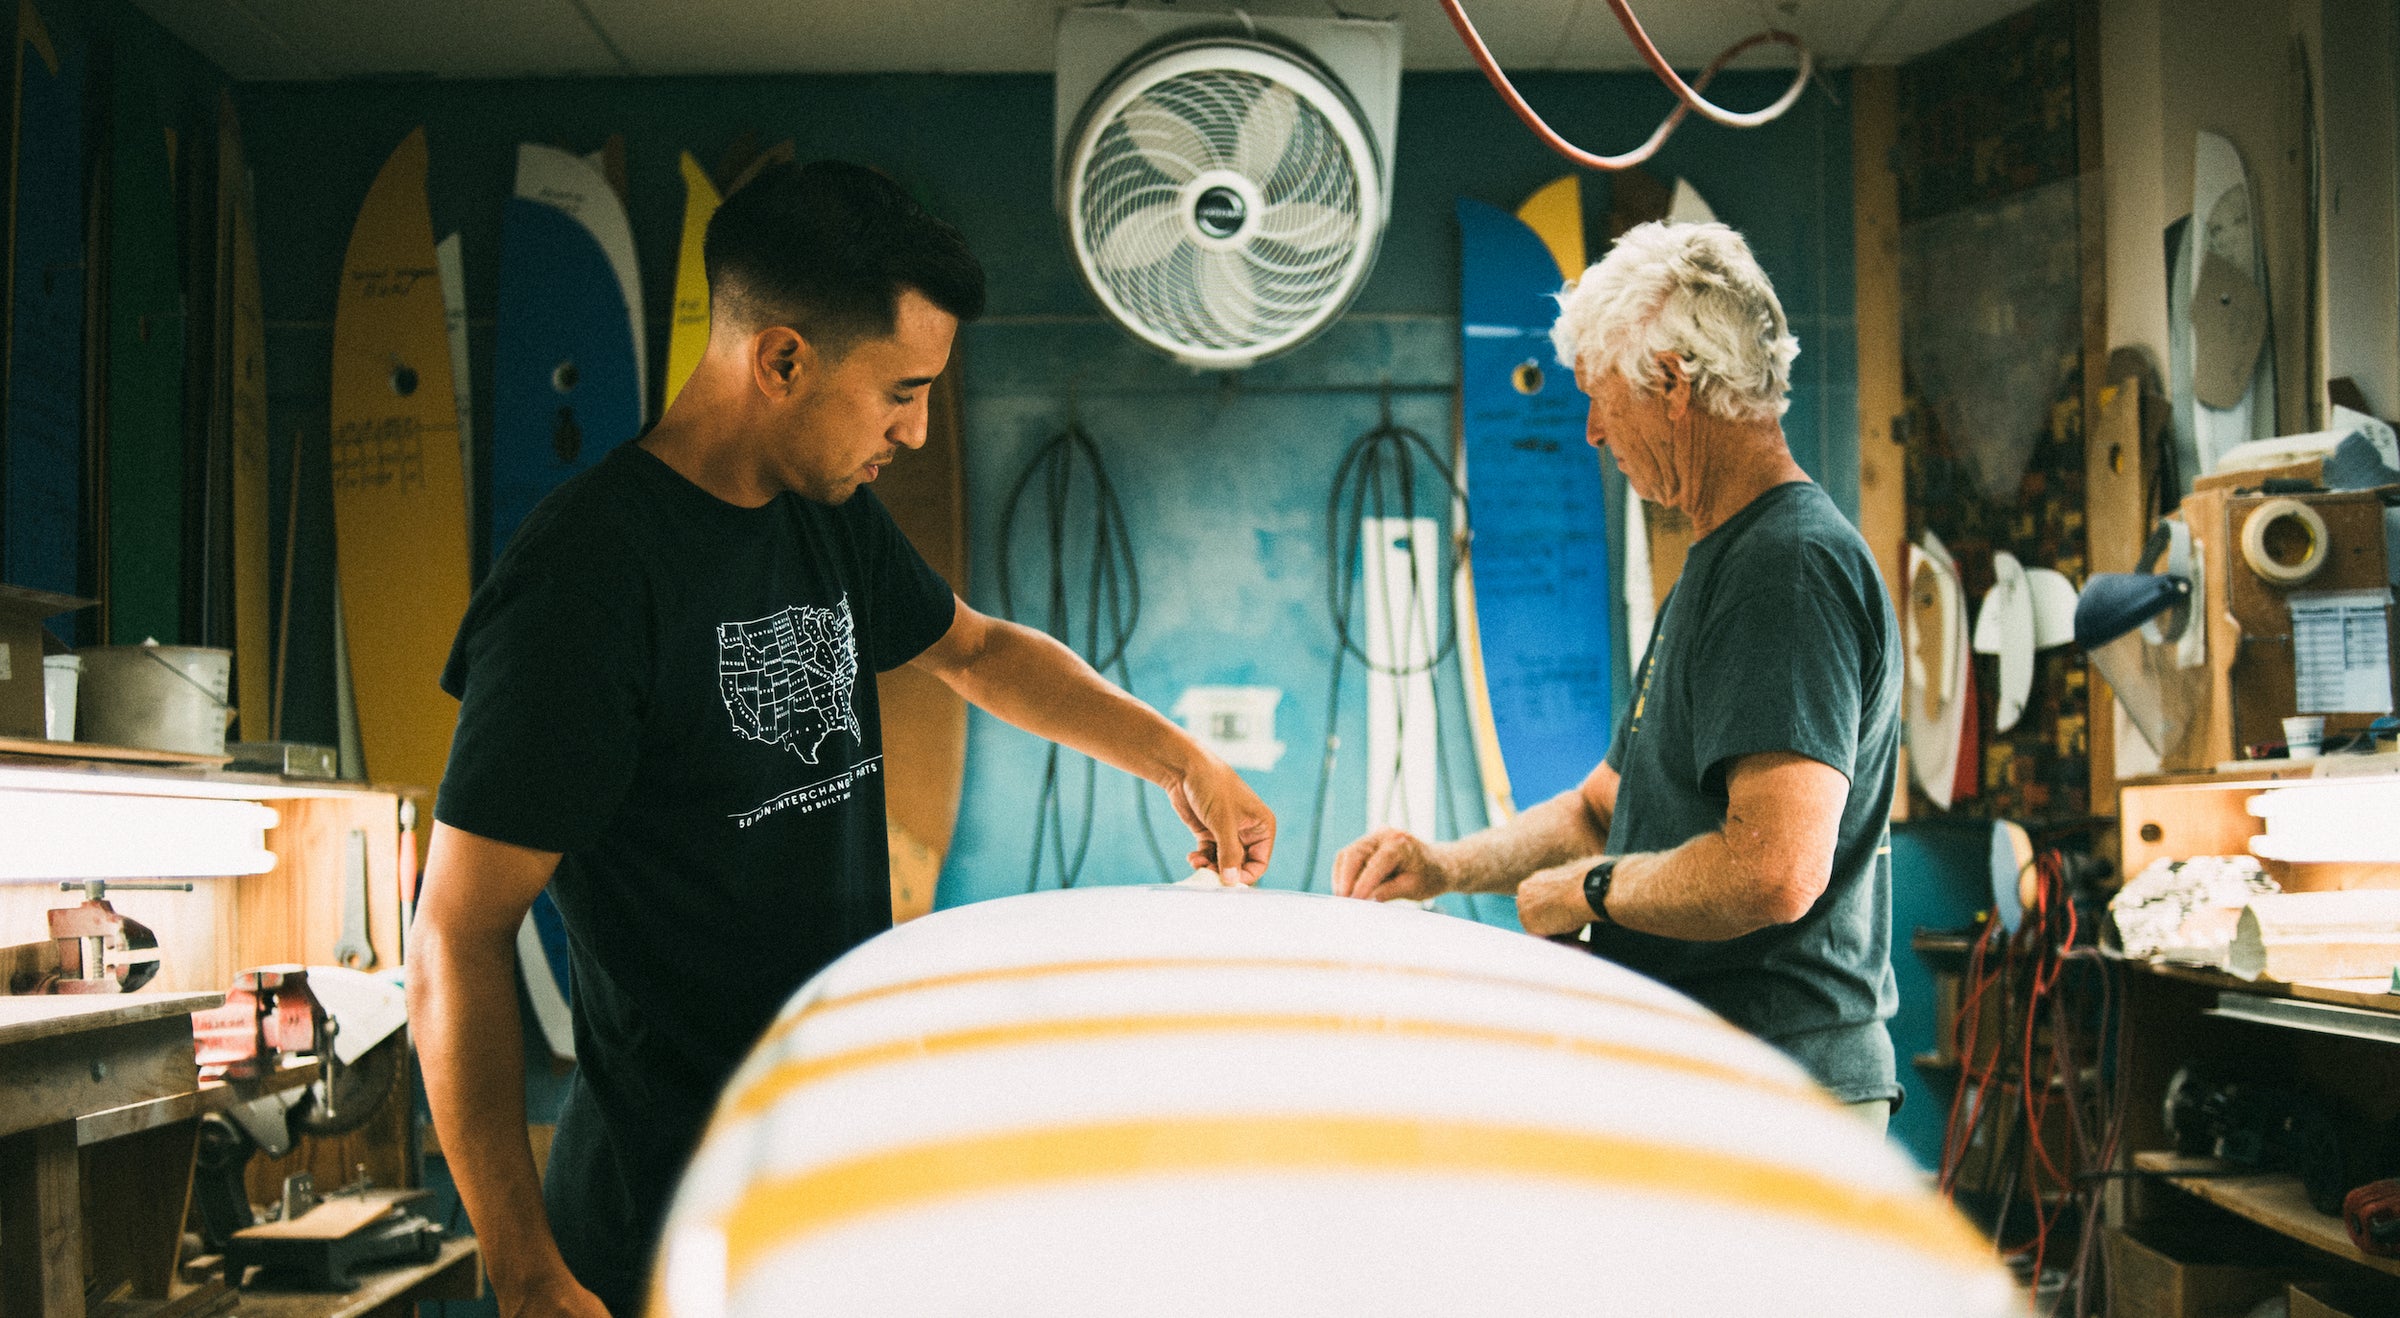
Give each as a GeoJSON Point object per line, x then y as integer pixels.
{"type": "Point", "coordinates": [158, 697]}
{"type": "Point", "coordinates": [59, 674]}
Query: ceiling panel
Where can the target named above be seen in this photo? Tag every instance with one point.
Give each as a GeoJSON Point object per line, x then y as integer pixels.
{"type": "Point", "coordinates": [1522, 34]}
{"type": "Point", "coordinates": [313, 39]}
{"type": "Point", "coordinates": [248, 50]}
{"type": "Point", "coordinates": [1921, 25]}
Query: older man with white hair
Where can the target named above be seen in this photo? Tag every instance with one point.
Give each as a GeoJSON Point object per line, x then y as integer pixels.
{"type": "Point", "coordinates": [1734, 842]}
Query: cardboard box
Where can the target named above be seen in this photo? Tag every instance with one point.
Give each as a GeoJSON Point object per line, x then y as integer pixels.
{"type": "Point", "coordinates": [2250, 658]}
{"type": "Point", "coordinates": [2342, 1299]}
{"type": "Point", "coordinates": [23, 642]}
{"type": "Point", "coordinates": [2156, 1275]}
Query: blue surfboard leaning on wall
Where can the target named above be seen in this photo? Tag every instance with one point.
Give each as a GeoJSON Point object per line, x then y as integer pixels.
{"type": "Point", "coordinates": [1540, 558]}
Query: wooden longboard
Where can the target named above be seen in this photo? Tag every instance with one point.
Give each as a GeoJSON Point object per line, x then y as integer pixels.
{"type": "Point", "coordinates": [399, 503]}
{"type": "Point", "coordinates": [1540, 562]}
{"type": "Point", "coordinates": [687, 336]}
{"type": "Point", "coordinates": [924, 721]}
{"type": "Point", "coordinates": [44, 321]}
{"type": "Point", "coordinates": [567, 380]}
{"type": "Point", "coordinates": [242, 387]}
{"type": "Point", "coordinates": [145, 369]}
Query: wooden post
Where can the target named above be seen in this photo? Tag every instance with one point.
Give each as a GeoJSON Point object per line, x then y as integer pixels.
{"type": "Point", "coordinates": [41, 1226]}
{"type": "Point", "coordinates": [1882, 458]}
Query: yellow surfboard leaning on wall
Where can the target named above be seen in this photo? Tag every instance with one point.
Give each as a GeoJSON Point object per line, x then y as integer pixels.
{"type": "Point", "coordinates": [687, 338]}
{"type": "Point", "coordinates": [399, 498]}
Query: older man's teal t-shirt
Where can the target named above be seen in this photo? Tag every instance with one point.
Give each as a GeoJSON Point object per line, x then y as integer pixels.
{"type": "Point", "coordinates": [1778, 637]}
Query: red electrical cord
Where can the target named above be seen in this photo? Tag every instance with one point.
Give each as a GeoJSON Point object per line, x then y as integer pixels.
{"type": "Point", "coordinates": [1687, 96]}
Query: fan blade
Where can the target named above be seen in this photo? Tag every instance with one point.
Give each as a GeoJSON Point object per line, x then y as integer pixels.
{"type": "Point", "coordinates": [1143, 238]}
{"type": "Point", "coordinates": [1307, 225]}
{"type": "Point", "coordinates": [1166, 139]}
{"type": "Point", "coordinates": [1265, 134]}
{"type": "Point", "coordinates": [1229, 299]}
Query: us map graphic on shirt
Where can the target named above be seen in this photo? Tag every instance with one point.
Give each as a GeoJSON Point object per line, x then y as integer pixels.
{"type": "Point", "coordinates": [787, 681]}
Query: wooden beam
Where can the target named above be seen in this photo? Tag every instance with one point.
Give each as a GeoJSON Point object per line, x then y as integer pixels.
{"type": "Point", "coordinates": [1875, 193]}
{"type": "Point", "coordinates": [1882, 403]}
{"type": "Point", "coordinates": [2091, 223]}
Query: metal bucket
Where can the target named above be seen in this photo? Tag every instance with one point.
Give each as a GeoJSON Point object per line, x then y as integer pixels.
{"type": "Point", "coordinates": [158, 697]}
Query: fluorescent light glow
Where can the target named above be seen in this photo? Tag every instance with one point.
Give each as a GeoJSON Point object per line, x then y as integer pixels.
{"type": "Point", "coordinates": [2329, 822]}
{"type": "Point", "coordinates": [84, 835]}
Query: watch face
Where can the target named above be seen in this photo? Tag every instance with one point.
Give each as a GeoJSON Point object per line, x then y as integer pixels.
{"type": "Point", "coordinates": [1595, 889]}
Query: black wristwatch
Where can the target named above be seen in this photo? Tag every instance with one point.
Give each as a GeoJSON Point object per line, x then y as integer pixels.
{"type": "Point", "coordinates": [1595, 888]}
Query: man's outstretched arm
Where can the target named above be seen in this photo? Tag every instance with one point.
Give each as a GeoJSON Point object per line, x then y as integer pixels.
{"type": "Point", "coordinates": [1390, 863]}
{"type": "Point", "coordinates": [1029, 679]}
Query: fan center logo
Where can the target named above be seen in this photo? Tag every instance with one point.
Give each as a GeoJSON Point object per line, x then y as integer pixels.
{"type": "Point", "coordinates": [787, 678]}
{"type": "Point", "coordinates": [1220, 212]}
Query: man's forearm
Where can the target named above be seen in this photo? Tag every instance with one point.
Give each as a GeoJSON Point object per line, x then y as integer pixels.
{"type": "Point", "coordinates": [1035, 683]}
{"type": "Point", "coordinates": [1499, 858]}
{"type": "Point", "coordinates": [1700, 892]}
{"type": "Point", "coordinates": [463, 1017]}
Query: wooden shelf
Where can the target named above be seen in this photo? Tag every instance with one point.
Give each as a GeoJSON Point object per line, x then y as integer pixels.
{"type": "Point", "coordinates": [1942, 942]}
{"type": "Point", "coordinates": [2364, 994]}
{"type": "Point", "coordinates": [2264, 773]}
{"type": "Point", "coordinates": [456, 1275]}
{"type": "Point", "coordinates": [45, 748]}
{"type": "Point", "coordinates": [124, 777]}
{"type": "Point", "coordinates": [2273, 1201]}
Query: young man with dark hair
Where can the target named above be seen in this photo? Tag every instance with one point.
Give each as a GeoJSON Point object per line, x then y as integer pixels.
{"type": "Point", "coordinates": [668, 718]}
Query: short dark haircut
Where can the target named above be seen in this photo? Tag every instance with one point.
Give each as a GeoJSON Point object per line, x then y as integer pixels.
{"type": "Point", "coordinates": [827, 247]}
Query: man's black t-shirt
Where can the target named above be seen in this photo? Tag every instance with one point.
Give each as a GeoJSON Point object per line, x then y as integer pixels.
{"type": "Point", "coordinates": [678, 695]}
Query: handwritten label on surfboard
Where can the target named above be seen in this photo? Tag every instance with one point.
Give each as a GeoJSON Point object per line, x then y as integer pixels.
{"type": "Point", "coordinates": [1540, 512]}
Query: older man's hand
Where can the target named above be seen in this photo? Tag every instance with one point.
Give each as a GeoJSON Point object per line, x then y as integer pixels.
{"type": "Point", "coordinates": [1390, 865]}
{"type": "Point", "coordinates": [1550, 902]}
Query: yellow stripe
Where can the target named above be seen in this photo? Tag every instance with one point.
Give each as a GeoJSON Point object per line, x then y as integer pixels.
{"type": "Point", "coordinates": [1065, 969]}
{"type": "Point", "coordinates": [779, 1082]}
{"type": "Point", "coordinates": [773, 1215]}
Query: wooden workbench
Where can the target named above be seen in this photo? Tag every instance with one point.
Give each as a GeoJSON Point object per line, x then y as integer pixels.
{"type": "Point", "coordinates": [67, 1058]}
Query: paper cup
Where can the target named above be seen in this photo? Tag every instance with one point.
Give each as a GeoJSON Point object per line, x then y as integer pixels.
{"type": "Point", "coordinates": [60, 673]}
{"type": "Point", "coordinates": [2302, 734]}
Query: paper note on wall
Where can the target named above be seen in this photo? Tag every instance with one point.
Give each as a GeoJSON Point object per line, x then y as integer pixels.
{"type": "Point", "coordinates": [2341, 651]}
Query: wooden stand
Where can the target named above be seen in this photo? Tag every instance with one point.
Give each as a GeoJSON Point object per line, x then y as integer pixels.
{"type": "Point", "coordinates": [100, 1103]}
{"type": "Point", "coordinates": [71, 1058]}
{"type": "Point", "coordinates": [2172, 1016]}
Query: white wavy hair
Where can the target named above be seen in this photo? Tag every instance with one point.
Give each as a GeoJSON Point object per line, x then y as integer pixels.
{"type": "Point", "coordinates": [1693, 290]}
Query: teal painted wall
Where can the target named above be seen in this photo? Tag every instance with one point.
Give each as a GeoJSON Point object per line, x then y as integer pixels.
{"type": "Point", "coordinates": [1224, 479]}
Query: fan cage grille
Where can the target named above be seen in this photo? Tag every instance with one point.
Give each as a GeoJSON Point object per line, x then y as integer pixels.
{"type": "Point", "coordinates": [1300, 255]}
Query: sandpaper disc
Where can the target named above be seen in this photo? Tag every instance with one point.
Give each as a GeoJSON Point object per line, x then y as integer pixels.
{"type": "Point", "coordinates": [2229, 326]}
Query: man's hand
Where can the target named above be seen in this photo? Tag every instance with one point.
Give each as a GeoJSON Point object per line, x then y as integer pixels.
{"type": "Point", "coordinates": [1391, 865]}
{"type": "Point", "coordinates": [1551, 902]}
{"type": "Point", "coordinates": [1233, 832]}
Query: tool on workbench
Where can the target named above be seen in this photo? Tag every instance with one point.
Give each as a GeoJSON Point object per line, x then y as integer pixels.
{"type": "Point", "coordinates": [355, 949]}
{"type": "Point", "coordinates": [320, 1242]}
{"type": "Point", "coordinates": [268, 1014]}
{"type": "Point", "coordinates": [100, 951]}
{"type": "Point", "coordinates": [350, 1022]}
